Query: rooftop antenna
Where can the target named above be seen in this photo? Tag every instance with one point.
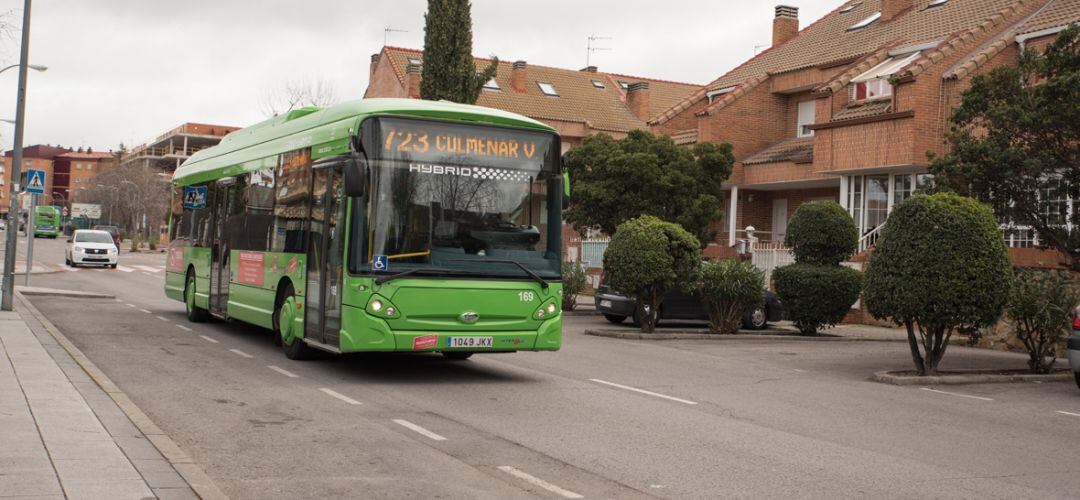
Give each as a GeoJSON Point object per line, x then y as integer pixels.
{"type": "Point", "coordinates": [757, 48]}
{"type": "Point", "coordinates": [589, 49]}
{"type": "Point", "coordinates": [386, 34]}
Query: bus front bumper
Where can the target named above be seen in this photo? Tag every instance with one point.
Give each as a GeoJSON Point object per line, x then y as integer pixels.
{"type": "Point", "coordinates": [374, 334]}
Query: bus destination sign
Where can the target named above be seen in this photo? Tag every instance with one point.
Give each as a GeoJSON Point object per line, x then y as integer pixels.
{"type": "Point", "coordinates": [418, 141]}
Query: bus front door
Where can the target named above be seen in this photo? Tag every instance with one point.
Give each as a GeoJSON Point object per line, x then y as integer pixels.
{"type": "Point", "coordinates": [322, 317]}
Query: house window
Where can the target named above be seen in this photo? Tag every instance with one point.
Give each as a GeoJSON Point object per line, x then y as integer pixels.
{"type": "Point", "coordinates": [850, 7]}
{"type": "Point", "coordinates": [805, 118]}
{"type": "Point", "coordinates": [865, 22]}
{"type": "Point", "coordinates": [598, 84]}
{"type": "Point", "coordinates": [1053, 205]}
{"type": "Point", "coordinates": [623, 84]}
{"type": "Point", "coordinates": [78, 166]}
{"type": "Point", "coordinates": [547, 89]}
{"type": "Point", "coordinates": [1019, 237]}
{"type": "Point", "coordinates": [936, 3]}
{"type": "Point", "coordinates": [492, 85]}
{"type": "Point", "coordinates": [414, 60]}
{"type": "Point", "coordinates": [874, 83]}
{"type": "Point", "coordinates": [903, 187]}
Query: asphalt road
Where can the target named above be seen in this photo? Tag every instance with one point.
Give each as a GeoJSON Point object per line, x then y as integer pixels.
{"type": "Point", "coordinates": [603, 418]}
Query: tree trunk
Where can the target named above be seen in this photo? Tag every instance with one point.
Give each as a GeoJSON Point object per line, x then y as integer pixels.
{"type": "Point", "coordinates": [913, 343]}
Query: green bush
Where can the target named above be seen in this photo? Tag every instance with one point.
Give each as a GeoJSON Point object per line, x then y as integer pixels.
{"type": "Point", "coordinates": [939, 265]}
{"type": "Point", "coordinates": [1040, 307]}
{"type": "Point", "coordinates": [730, 289]}
{"type": "Point", "coordinates": [816, 296]}
{"type": "Point", "coordinates": [574, 280]}
{"type": "Point", "coordinates": [822, 233]}
{"type": "Point", "coordinates": [646, 258]}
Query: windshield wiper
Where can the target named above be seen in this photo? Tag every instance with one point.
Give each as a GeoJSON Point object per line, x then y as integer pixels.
{"type": "Point", "coordinates": [388, 277]}
{"type": "Point", "coordinates": [534, 276]}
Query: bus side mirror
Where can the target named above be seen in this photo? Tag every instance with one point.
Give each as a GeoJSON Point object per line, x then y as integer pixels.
{"type": "Point", "coordinates": [355, 173]}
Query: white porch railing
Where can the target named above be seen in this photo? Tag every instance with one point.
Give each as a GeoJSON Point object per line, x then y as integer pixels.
{"type": "Point", "coordinates": [769, 256]}
{"type": "Point", "coordinates": [869, 239]}
{"type": "Point", "coordinates": [592, 252]}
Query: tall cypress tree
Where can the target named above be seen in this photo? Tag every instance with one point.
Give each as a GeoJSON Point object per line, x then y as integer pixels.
{"type": "Point", "coordinates": [449, 70]}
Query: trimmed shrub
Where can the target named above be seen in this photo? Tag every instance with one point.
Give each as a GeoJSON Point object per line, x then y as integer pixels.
{"type": "Point", "coordinates": [816, 296]}
{"type": "Point", "coordinates": [822, 233]}
{"type": "Point", "coordinates": [1040, 307]}
{"type": "Point", "coordinates": [730, 289]}
{"type": "Point", "coordinates": [574, 280]}
{"type": "Point", "coordinates": [646, 258]}
{"type": "Point", "coordinates": [939, 265]}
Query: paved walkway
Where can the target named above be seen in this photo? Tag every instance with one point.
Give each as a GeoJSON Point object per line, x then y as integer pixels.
{"type": "Point", "coordinates": [61, 435]}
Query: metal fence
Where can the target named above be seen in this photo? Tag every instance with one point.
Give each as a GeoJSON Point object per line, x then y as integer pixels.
{"type": "Point", "coordinates": [592, 252]}
{"type": "Point", "coordinates": [768, 256]}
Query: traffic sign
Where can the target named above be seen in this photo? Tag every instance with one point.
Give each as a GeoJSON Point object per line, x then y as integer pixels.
{"type": "Point", "coordinates": [35, 181]}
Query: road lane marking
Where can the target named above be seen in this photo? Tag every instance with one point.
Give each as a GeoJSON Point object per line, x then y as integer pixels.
{"type": "Point", "coordinates": [146, 268]}
{"type": "Point", "coordinates": [957, 394]}
{"type": "Point", "coordinates": [240, 353]}
{"type": "Point", "coordinates": [125, 269]}
{"type": "Point", "coordinates": [1069, 413]}
{"type": "Point", "coordinates": [145, 311]}
{"type": "Point", "coordinates": [162, 318]}
{"type": "Point", "coordinates": [339, 395]}
{"type": "Point", "coordinates": [148, 274]}
{"type": "Point", "coordinates": [798, 370]}
{"type": "Point", "coordinates": [209, 339]}
{"type": "Point", "coordinates": [131, 305]}
{"type": "Point", "coordinates": [535, 481]}
{"type": "Point", "coordinates": [643, 391]}
{"type": "Point", "coordinates": [184, 328]}
{"type": "Point", "coordinates": [419, 430]}
{"type": "Point", "coordinates": [283, 371]}
{"type": "Point", "coordinates": [118, 300]}
{"type": "Point", "coordinates": [99, 270]}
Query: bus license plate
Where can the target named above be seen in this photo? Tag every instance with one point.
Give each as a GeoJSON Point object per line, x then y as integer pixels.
{"type": "Point", "coordinates": [470, 342]}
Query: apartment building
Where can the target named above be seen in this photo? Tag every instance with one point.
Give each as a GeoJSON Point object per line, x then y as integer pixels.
{"type": "Point", "coordinates": [168, 150]}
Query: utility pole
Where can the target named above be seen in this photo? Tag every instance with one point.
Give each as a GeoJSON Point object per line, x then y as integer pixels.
{"type": "Point", "coordinates": [589, 49]}
{"type": "Point", "coordinates": [7, 299]}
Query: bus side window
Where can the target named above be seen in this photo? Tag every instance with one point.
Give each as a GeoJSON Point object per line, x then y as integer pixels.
{"type": "Point", "coordinates": [259, 209]}
{"type": "Point", "coordinates": [292, 194]}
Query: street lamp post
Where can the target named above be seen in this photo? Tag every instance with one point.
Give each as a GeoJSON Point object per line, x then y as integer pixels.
{"type": "Point", "coordinates": [7, 298]}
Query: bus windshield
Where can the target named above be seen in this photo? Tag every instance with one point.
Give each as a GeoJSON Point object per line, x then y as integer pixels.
{"type": "Point", "coordinates": [467, 199]}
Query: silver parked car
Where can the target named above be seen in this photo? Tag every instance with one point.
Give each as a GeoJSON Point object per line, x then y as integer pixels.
{"type": "Point", "coordinates": [1074, 346]}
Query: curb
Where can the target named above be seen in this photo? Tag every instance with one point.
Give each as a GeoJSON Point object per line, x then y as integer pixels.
{"type": "Point", "coordinates": [972, 377]}
{"type": "Point", "coordinates": [196, 478]}
{"type": "Point", "coordinates": [51, 292]}
{"type": "Point", "coordinates": [770, 334]}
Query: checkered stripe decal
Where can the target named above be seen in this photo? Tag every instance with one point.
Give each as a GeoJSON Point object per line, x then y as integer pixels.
{"type": "Point", "coordinates": [500, 174]}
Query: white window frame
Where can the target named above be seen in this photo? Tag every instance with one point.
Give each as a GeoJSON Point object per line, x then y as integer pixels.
{"type": "Point", "coordinates": [550, 93]}
{"type": "Point", "coordinates": [492, 84]}
{"type": "Point", "coordinates": [806, 112]}
{"type": "Point", "coordinates": [598, 84]}
{"type": "Point", "coordinates": [850, 7]}
{"type": "Point", "coordinates": [865, 22]}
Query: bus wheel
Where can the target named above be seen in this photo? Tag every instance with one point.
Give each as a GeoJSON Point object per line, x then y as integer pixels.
{"type": "Point", "coordinates": [285, 328]}
{"type": "Point", "coordinates": [457, 356]}
{"type": "Point", "coordinates": [195, 314]}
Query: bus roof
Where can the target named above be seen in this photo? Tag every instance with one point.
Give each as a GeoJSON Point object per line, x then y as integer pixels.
{"type": "Point", "coordinates": [327, 131]}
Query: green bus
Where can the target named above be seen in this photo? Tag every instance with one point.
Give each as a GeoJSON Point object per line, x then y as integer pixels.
{"type": "Point", "coordinates": [376, 225]}
{"type": "Point", "coordinates": [46, 221]}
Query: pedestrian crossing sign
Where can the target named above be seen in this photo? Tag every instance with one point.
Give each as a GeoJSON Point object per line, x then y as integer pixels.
{"type": "Point", "coordinates": [35, 181]}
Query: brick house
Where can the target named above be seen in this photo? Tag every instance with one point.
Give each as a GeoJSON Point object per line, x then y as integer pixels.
{"type": "Point", "coordinates": [37, 157]}
{"type": "Point", "coordinates": [577, 103]}
{"type": "Point", "coordinates": [76, 171]}
{"type": "Point", "coordinates": [847, 108]}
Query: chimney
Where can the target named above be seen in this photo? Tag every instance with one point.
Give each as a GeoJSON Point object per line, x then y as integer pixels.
{"type": "Point", "coordinates": [785, 25]}
{"type": "Point", "coordinates": [589, 69]}
{"type": "Point", "coordinates": [517, 76]}
{"type": "Point", "coordinates": [374, 63]}
{"type": "Point", "coordinates": [638, 99]}
{"type": "Point", "coordinates": [412, 80]}
{"type": "Point", "coordinates": [892, 8]}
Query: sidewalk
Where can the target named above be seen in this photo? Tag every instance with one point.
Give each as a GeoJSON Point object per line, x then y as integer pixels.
{"type": "Point", "coordinates": [61, 434]}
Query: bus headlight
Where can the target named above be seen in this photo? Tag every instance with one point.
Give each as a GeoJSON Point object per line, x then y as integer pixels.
{"type": "Point", "coordinates": [547, 310]}
{"type": "Point", "coordinates": [381, 307]}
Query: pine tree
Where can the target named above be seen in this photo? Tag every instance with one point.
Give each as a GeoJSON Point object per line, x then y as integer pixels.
{"type": "Point", "coordinates": [449, 70]}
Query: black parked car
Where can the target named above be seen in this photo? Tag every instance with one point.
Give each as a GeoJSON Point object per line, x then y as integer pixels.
{"type": "Point", "coordinates": [680, 305]}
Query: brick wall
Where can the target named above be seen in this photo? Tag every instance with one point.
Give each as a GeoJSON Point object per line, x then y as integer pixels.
{"type": "Point", "coordinates": [384, 80]}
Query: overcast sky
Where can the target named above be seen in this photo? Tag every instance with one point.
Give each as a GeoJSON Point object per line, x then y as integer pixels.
{"type": "Point", "coordinates": [128, 70]}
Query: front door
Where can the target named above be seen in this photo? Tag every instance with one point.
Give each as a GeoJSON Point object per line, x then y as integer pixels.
{"type": "Point", "coordinates": [322, 320]}
{"type": "Point", "coordinates": [219, 254]}
{"type": "Point", "coordinates": [779, 219]}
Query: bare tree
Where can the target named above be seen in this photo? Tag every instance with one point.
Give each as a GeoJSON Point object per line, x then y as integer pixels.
{"type": "Point", "coordinates": [299, 93]}
{"type": "Point", "coordinates": [134, 196]}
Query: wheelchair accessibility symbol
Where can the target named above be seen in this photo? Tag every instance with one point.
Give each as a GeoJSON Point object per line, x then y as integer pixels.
{"type": "Point", "coordinates": [379, 263]}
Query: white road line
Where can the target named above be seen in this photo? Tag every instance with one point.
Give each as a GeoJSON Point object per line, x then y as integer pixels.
{"type": "Point", "coordinates": [162, 318]}
{"type": "Point", "coordinates": [1069, 413]}
{"type": "Point", "coordinates": [131, 305]}
{"type": "Point", "coordinates": [209, 339]}
{"type": "Point", "coordinates": [72, 269]}
{"type": "Point", "coordinates": [125, 269]}
{"type": "Point", "coordinates": [146, 268]}
{"type": "Point", "coordinates": [184, 328]}
{"type": "Point", "coordinates": [798, 370]}
{"type": "Point", "coordinates": [535, 481]}
{"type": "Point", "coordinates": [148, 274]}
{"type": "Point", "coordinates": [99, 270]}
{"type": "Point", "coordinates": [283, 371]}
{"type": "Point", "coordinates": [420, 430]}
{"type": "Point", "coordinates": [957, 394]}
{"type": "Point", "coordinates": [145, 311]}
{"type": "Point", "coordinates": [339, 395]}
{"type": "Point", "coordinates": [240, 353]}
{"type": "Point", "coordinates": [118, 300]}
{"type": "Point", "coordinates": [643, 391]}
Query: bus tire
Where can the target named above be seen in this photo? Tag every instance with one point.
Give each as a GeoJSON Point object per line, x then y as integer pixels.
{"type": "Point", "coordinates": [457, 356]}
{"type": "Point", "coordinates": [285, 312]}
{"type": "Point", "coordinates": [195, 314]}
